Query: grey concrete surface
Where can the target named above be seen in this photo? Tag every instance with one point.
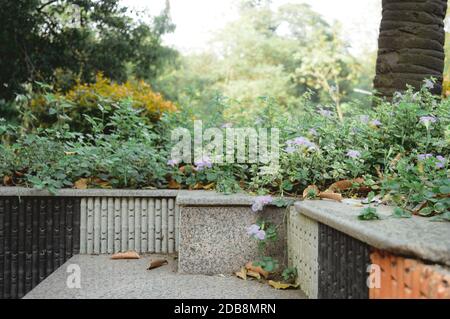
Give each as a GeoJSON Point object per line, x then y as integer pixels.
{"type": "Point", "coordinates": [414, 237]}
{"type": "Point", "coordinates": [103, 278]}
{"type": "Point", "coordinates": [68, 192]}
{"type": "Point", "coordinates": [212, 198]}
{"type": "Point", "coordinates": [214, 239]}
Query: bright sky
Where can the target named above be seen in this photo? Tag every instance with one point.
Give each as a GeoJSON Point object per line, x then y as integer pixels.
{"type": "Point", "coordinates": [197, 20]}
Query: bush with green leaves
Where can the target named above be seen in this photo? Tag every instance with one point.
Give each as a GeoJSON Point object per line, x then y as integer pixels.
{"type": "Point", "coordinates": [130, 155]}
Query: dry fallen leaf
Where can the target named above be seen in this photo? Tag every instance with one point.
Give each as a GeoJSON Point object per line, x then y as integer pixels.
{"type": "Point", "coordinates": [344, 185]}
{"type": "Point", "coordinates": [333, 196]}
{"type": "Point", "coordinates": [157, 263]}
{"type": "Point", "coordinates": [70, 153]}
{"type": "Point", "coordinates": [281, 285]}
{"type": "Point", "coordinates": [82, 183]}
{"type": "Point", "coordinates": [174, 185]}
{"type": "Point", "coordinates": [126, 255]}
{"type": "Point", "coordinates": [242, 274]}
{"type": "Point", "coordinates": [309, 189]}
{"type": "Point", "coordinates": [198, 186]}
{"type": "Point", "coordinates": [249, 266]}
{"type": "Point", "coordinates": [253, 274]}
{"type": "Point", "coordinates": [209, 186]}
{"type": "Point", "coordinates": [100, 182]}
{"type": "Point", "coordinates": [7, 180]}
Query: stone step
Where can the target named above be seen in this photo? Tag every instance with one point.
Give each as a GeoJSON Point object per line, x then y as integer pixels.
{"type": "Point", "coordinates": [101, 277]}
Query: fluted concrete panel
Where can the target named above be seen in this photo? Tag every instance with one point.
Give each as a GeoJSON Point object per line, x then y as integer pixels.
{"type": "Point", "coordinates": [303, 251]}
{"type": "Point", "coordinates": [112, 224]}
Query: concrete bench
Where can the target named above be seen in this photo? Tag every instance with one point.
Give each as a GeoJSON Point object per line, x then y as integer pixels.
{"type": "Point", "coordinates": [334, 253]}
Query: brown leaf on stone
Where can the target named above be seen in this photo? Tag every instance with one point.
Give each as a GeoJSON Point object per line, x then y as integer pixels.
{"type": "Point", "coordinates": [309, 189]}
{"type": "Point", "coordinates": [258, 269]}
{"type": "Point", "coordinates": [126, 255]}
{"type": "Point", "coordinates": [82, 183]}
{"type": "Point", "coordinates": [254, 274]}
{"type": "Point", "coordinates": [7, 180]}
{"type": "Point", "coordinates": [101, 183]}
{"type": "Point", "coordinates": [157, 263]}
{"type": "Point", "coordinates": [344, 185]}
{"type": "Point", "coordinates": [281, 285]}
{"type": "Point", "coordinates": [198, 186]}
{"type": "Point", "coordinates": [174, 184]}
{"type": "Point", "coordinates": [209, 186]}
{"type": "Point", "coordinates": [242, 274]}
{"type": "Point", "coordinates": [333, 196]}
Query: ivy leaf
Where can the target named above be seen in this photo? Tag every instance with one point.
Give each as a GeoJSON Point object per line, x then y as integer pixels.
{"type": "Point", "coordinates": [445, 217]}
{"type": "Point", "coordinates": [401, 213]}
{"type": "Point", "coordinates": [369, 213]}
{"type": "Point", "coordinates": [282, 202]}
{"type": "Point", "coordinates": [287, 185]}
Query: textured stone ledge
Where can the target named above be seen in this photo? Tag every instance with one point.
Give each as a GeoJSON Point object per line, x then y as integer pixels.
{"type": "Point", "coordinates": [22, 191]}
{"type": "Point", "coordinates": [416, 236]}
{"type": "Point", "coordinates": [210, 198]}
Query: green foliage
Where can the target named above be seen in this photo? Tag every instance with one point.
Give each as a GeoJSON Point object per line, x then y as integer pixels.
{"type": "Point", "coordinates": [401, 213]}
{"type": "Point", "coordinates": [69, 40]}
{"type": "Point", "coordinates": [129, 156]}
{"type": "Point", "coordinates": [289, 274]}
{"type": "Point", "coordinates": [369, 213]}
{"type": "Point", "coordinates": [269, 264]}
{"type": "Point", "coordinates": [400, 149]}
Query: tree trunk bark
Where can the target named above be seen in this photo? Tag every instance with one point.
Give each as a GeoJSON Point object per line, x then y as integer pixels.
{"type": "Point", "coordinates": [410, 45]}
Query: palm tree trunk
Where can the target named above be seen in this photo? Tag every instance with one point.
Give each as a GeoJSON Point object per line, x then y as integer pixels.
{"type": "Point", "coordinates": [410, 45]}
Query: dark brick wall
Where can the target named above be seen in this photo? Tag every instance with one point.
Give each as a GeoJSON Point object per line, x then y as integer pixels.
{"type": "Point", "coordinates": [37, 235]}
{"type": "Point", "coordinates": [343, 262]}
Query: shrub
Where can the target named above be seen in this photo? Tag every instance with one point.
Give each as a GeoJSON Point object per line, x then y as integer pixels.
{"type": "Point", "coordinates": [97, 101]}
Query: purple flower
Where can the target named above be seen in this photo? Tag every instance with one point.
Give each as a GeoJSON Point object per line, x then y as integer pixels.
{"type": "Point", "coordinates": [172, 162]}
{"type": "Point", "coordinates": [422, 157]}
{"type": "Point", "coordinates": [205, 162]}
{"type": "Point", "coordinates": [427, 120]}
{"type": "Point", "coordinates": [376, 123]}
{"type": "Point", "coordinates": [364, 119]}
{"type": "Point", "coordinates": [260, 202]}
{"type": "Point", "coordinates": [227, 125]}
{"type": "Point", "coordinates": [256, 231]}
{"type": "Point", "coordinates": [261, 234]}
{"type": "Point", "coordinates": [353, 154]}
{"type": "Point", "coordinates": [300, 141]}
{"type": "Point", "coordinates": [313, 132]}
{"type": "Point", "coordinates": [253, 230]}
{"type": "Point", "coordinates": [325, 113]}
{"type": "Point", "coordinates": [441, 161]}
{"type": "Point", "coordinates": [290, 149]}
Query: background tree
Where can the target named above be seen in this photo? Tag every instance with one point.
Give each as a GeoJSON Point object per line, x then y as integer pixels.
{"type": "Point", "coordinates": [411, 45]}
{"type": "Point", "coordinates": [44, 40]}
{"type": "Point", "coordinates": [280, 53]}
